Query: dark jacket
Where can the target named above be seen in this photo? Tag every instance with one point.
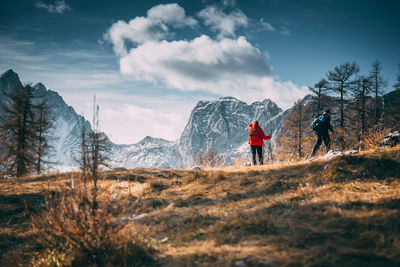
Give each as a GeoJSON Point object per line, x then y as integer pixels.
{"type": "Point", "coordinates": [325, 126]}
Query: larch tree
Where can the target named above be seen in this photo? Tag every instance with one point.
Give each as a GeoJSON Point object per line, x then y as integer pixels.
{"type": "Point", "coordinates": [320, 89]}
{"type": "Point", "coordinates": [340, 81]}
{"type": "Point", "coordinates": [361, 88]}
{"type": "Point", "coordinates": [83, 160]}
{"type": "Point", "coordinates": [18, 132]}
{"type": "Point", "coordinates": [210, 158]}
{"type": "Point", "coordinates": [379, 83]}
{"type": "Point", "coordinates": [95, 149]}
{"type": "Point", "coordinates": [295, 132]}
{"type": "Point", "coordinates": [44, 124]}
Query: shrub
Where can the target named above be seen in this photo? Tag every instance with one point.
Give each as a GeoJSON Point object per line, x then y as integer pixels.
{"type": "Point", "coordinates": [81, 228]}
{"type": "Point", "coordinates": [238, 162]}
{"type": "Point", "coordinates": [374, 137]}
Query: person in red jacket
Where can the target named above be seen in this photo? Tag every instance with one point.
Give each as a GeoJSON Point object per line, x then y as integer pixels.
{"type": "Point", "coordinates": [256, 141]}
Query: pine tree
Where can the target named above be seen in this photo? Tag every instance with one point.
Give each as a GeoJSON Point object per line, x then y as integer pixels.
{"type": "Point", "coordinates": [18, 132]}
{"type": "Point", "coordinates": [295, 132]}
{"type": "Point", "coordinates": [360, 90]}
{"type": "Point", "coordinates": [379, 83]}
{"type": "Point", "coordinates": [44, 124]}
{"type": "Point", "coordinates": [340, 80]}
{"type": "Point", "coordinates": [84, 151]}
{"type": "Point", "coordinates": [320, 89]}
{"type": "Point", "coordinates": [95, 149]}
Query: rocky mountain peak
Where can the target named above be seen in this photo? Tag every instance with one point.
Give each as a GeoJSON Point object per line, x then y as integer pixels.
{"type": "Point", "coordinates": [41, 89]}
{"type": "Point", "coordinates": [153, 141]}
{"type": "Point", "coordinates": [9, 80]}
{"type": "Point", "coordinates": [10, 75]}
{"type": "Point", "coordinates": [222, 124]}
{"type": "Point", "coordinates": [228, 99]}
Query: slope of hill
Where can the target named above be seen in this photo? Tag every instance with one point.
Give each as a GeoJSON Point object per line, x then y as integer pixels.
{"type": "Point", "coordinates": [339, 212]}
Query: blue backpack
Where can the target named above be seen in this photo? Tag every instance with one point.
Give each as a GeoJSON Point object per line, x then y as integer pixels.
{"type": "Point", "coordinates": [316, 123]}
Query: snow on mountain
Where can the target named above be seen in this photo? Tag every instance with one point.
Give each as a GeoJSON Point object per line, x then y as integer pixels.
{"type": "Point", "coordinates": [220, 123]}
{"type": "Point", "coordinates": [148, 153]}
{"type": "Point", "coordinates": [65, 135]}
{"type": "Point", "coordinates": [223, 123]}
{"type": "Point", "coordinates": [8, 81]}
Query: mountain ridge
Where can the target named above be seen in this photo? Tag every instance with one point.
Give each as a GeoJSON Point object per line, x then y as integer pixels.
{"type": "Point", "coordinates": [220, 123]}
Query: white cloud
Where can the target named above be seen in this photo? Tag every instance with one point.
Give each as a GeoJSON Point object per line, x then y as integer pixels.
{"type": "Point", "coordinates": [170, 14]}
{"type": "Point", "coordinates": [88, 74]}
{"type": "Point", "coordinates": [139, 122]}
{"type": "Point", "coordinates": [200, 64]}
{"type": "Point", "coordinates": [224, 24]}
{"type": "Point", "coordinates": [228, 66]}
{"type": "Point", "coordinates": [228, 3]}
{"type": "Point", "coordinates": [266, 26]}
{"type": "Point", "coordinates": [285, 31]}
{"type": "Point", "coordinates": [155, 26]}
{"type": "Point", "coordinates": [59, 7]}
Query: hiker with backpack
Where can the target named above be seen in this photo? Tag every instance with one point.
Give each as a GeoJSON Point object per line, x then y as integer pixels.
{"type": "Point", "coordinates": [256, 141]}
{"type": "Point", "coordinates": [321, 125]}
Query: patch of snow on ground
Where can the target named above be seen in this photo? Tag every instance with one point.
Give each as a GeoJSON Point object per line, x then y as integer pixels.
{"type": "Point", "coordinates": [332, 154]}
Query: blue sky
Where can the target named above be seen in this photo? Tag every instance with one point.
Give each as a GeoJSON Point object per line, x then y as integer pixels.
{"type": "Point", "coordinates": [149, 62]}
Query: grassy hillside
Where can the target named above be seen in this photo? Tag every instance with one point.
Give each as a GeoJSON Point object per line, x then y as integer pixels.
{"type": "Point", "coordinates": [340, 212]}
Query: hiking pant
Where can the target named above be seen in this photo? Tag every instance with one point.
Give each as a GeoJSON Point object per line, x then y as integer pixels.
{"type": "Point", "coordinates": [320, 137]}
{"type": "Point", "coordinates": [257, 150]}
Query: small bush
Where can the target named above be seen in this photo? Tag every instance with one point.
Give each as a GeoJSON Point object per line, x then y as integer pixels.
{"type": "Point", "coordinates": [238, 162]}
{"type": "Point", "coordinates": [81, 231]}
{"type": "Point", "coordinates": [374, 137]}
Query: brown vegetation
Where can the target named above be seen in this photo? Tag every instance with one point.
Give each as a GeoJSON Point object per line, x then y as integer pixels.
{"type": "Point", "coordinates": [208, 159]}
{"type": "Point", "coordinates": [340, 212]}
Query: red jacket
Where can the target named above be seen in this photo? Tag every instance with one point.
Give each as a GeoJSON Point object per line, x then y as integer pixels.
{"type": "Point", "coordinates": [256, 135]}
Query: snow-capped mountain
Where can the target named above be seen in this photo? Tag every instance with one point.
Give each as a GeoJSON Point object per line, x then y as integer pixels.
{"type": "Point", "coordinates": [149, 153]}
{"type": "Point", "coordinates": [220, 123]}
{"type": "Point", "coordinates": [65, 135]}
{"type": "Point", "coordinates": [223, 123]}
{"type": "Point", "coordinates": [9, 80]}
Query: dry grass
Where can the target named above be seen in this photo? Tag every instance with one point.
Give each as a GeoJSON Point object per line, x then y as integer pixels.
{"type": "Point", "coordinates": [374, 137]}
{"type": "Point", "coordinates": [338, 212]}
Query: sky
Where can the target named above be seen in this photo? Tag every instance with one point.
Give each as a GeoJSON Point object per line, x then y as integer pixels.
{"type": "Point", "coordinates": [149, 62]}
